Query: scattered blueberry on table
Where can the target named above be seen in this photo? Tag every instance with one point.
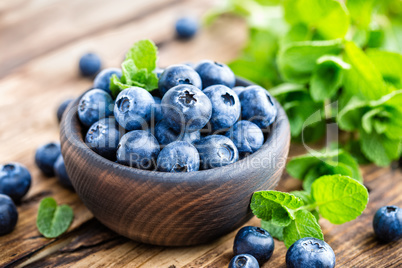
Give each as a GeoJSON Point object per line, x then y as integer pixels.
{"type": "Point", "coordinates": [8, 214]}
{"type": "Point", "coordinates": [90, 64]}
{"type": "Point", "coordinates": [387, 223]}
{"type": "Point", "coordinates": [186, 27]}
{"type": "Point", "coordinates": [45, 157]}
{"type": "Point", "coordinates": [243, 261]}
{"type": "Point", "coordinates": [61, 172]}
{"type": "Point", "coordinates": [15, 180]}
{"type": "Point", "coordinates": [310, 252]}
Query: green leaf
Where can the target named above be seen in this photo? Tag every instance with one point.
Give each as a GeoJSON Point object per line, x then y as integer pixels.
{"type": "Point", "coordinates": [360, 12]}
{"type": "Point", "coordinates": [339, 198]}
{"type": "Point", "coordinates": [308, 200]}
{"type": "Point", "coordinates": [304, 225]}
{"type": "Point", "coordinates": [389, 64]}
{"type": "Point", "coordinates": [327, 77]}
{"type": "Point", "coordinates": [53, 220]}
{"type": "Point", "coordinates": [296, 61]}
{"type": "Point", "coordinates": [378, 148]}
{"type": "Point", "coordinates": [275, 206]}
{"type": "Point", "coordinates": [143, 54]}
{"type": "Point", "coordinates": [274, 230]}
{"type": "Point", "coordinates": [350, 116]}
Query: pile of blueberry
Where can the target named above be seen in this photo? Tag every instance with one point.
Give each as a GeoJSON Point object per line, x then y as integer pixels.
{"type": "Point", "coordinates": [197, 119]}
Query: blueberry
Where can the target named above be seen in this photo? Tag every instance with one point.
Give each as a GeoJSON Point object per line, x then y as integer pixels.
{"type": "Point", "coordinates": [310, 252]}
{"type": "Point", "coordinates": [257, 106]}
{"type": "Point", "coordinates": [213, 73]}
{"type": "Point", "coordinates": [8, 214]}
{"type": "Point", "coordinates": [15, 180]}
{"type": "Point", "coordinates": [176, 75]}
{"type": "Point", "coordinates": [178, 156]}
{"type": "Point", "coordinates": [102, 80]}
{"type": "Point", "coordinates": [216, 151]}
{"type": "Point", "coordinates": [186, 107]}
{"type": "Point", "coordinates": [94, 105]}
{"type": "Point", "coordinates": [157, 114]}
{"type": "Point", "coordinates": [103, 137]}
{"type": "Point", "coordinates": [61, 173]}
{"type": "Point", "coordinates": [238, 89]}
{"type": "Point", "coordinates": [247, 137]}
{"type": "Point", "coordinates": [138, 149]}
{"type": "Point", "coordinates": [244, 261]}
{"type": "Point", "coordinates": [254, 241]}
{"type": "Point", "coordinates": [90, 64]}
{"type": "Point", "coordinates": [186, 27]}
{"type": "Point", "coordinates": [165, 134]}
{"type": "Point", "coordinates": [158, 72]}
{"type": "Point", "coordinates": [133, 108]}
{"type": "Point", "coordinates": [225, 106]}
{"type": "Point", "coordinates": [387, 223]}
{"type": "Point", "coordinates": [45, 157]}
{"type": "Point", "coordinates": [62, 108]}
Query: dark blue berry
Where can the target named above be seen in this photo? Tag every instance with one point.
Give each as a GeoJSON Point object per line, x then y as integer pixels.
{"type": "Point", "coordinates": [8, 214]}
{"type": "Point", "coordinates": [387, 223]}
{"type": "Point", "coordinates": [90, 64]}
{"type": "Point", "coordinates": [133, 108]}
{"type": "Point", "coordinates": [94, 105]}
{"type": "Point", "coordinates": [225, 106]}
{"type": "Point", "coordinates": [213, 73]}
{"type": "Point", "coordinates": [244, 261]}
{"type": "Point", "coordinates": [186, 27]}
{"type": "Point", "coordinates": [45, 157]}
{"type": "Point", "coordinates": [179, 74]}
{"type": "Point", "coordinates": [216, 151]}
{"type": "Point", "coordinates": [62, 108]}
{"type": "Point", "coordinates": [61, 173]}
{"type": "Point", "coordinates": [103, 137]}
{"type": "Point", "coordinates": [165, 134]}
{"type": "Point", "coordinates": [186, 107]}
{"type": "Point", "coordinates": [15, 180]}
{"type": "Point", "coordinates": [247, 137]}
{"type": "Point", "coordinates": [102, 80]}
{"type": "Point", "coordinates": [310, 252]}
{"type": "Point", "coordinates": [257, 106]}
{"type": "Point", "coordinates": [138, 149]}
{"type": "Point", "coordinates": [254, 241]}
{"type": "Point", "coordinates": [178, 156]}
{"type": "Point", "coordinates": [157, 114]}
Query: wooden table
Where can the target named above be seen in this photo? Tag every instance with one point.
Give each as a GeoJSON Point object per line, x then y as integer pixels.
{"type": "Point", "coordinates": [40, 44]}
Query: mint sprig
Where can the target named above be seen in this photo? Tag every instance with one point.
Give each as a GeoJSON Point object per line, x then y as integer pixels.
{"type": "Point", "coordinates": [137, 69]}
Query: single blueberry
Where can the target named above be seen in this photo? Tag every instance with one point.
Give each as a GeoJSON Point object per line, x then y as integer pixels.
{"type": "Point", "coordinates": [310, 252]}
{"type": "Point", "coordinates": [45, 157]}
{"type": "Point", "coordinates": [186, 27]}
{"type": "Point", "coordinates": [61, 173]}
{"type": "Point", "coordinates": [138, 149]}
{"type": "Point", "coordinates": [133, 108]}
{"type": "Point", "coordinates": [254, 241]}
{"type": "Point", "coordinates": [179, 74]}
{"type": "Point", "coordinates": [62, 108]}
{"type": "Point", "coordinates": [8, 214]}
{"type": "Point", "coordinates": [102, 80]}
{"type": "Point", "coordinates": [247, 137]}
{"type": "Point", "coordinates": [213, 73]}
{"type": "Point", "coordinates": [90, 64]}
{"type": "Point", "coordinates": [238, 89]}
{"type": "Point", "coordinates": [157, 114]}
{"type": "Point", "coordinates": [216, 151]}
{"type": "Point", "coordinates": [165, 134]}
{"type": "Point", "coordinates": [103, 137]}
{"type": "Point", "coordinates": [15, 180]}
{"type": "Point", "coordinates": [244, 261]}
{"type": "Point", "coordinates": [387, 223]}
{"type": "Point", "coordinates": [94, 105]}
{"type": "Point", "coordinates": [178, 156]}
{"type": "Point", "coordinates": [257, 106]}
{"type": "Point", "coordinates": [225, 106]}
{"type": "Point", "coordinates": [186, 107]}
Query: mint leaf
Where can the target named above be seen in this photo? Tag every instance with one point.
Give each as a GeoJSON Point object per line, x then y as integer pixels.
{"type": "Point", "coordinates": [53, 220]}
{"type": "Point", "coordinates": [296, 61]}
{"type": "Point", "coordinates": [350, 116]}
{"type": "Point", "coordinates": [389, 64]}
{"type": "Point", "coordinates": [304, 225]}
{"type": "Point", "coordinates": [274, 230]}
{"type": "Point", "coordinates": [308, 200]}
{"type": "Point", "coordinates": [339, 198]}
{"type": "Point", "coordinates": [360, 12]}
{"type": "Point", "coordinates": [378, 148]}
{"type": "Point", "coordinates": [144, 55]}
{"type": "Point", "coordinates": [275, 206]}
{"type": "Point", "coordinates": [327, 77]}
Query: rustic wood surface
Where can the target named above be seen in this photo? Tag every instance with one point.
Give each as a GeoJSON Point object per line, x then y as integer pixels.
{"type": "Point", "coordinates": [40, 44]}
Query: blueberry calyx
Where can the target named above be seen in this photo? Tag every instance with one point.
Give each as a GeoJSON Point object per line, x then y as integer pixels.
{"type": "Point", "coordinates": [228, 99]}
{"type": "Point", "coordinates": [187, 98]}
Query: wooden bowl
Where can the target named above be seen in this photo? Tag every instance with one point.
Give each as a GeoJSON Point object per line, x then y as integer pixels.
{"type": "Point", "coordinates": [172, 209]}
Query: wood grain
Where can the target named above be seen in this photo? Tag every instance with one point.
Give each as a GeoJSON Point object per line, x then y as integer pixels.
{"type": "Point", "coordinates": [41, 71]}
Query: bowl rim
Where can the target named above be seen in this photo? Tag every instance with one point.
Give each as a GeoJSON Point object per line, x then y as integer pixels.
{"type": "Point", "coordinates": [280, 126]}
